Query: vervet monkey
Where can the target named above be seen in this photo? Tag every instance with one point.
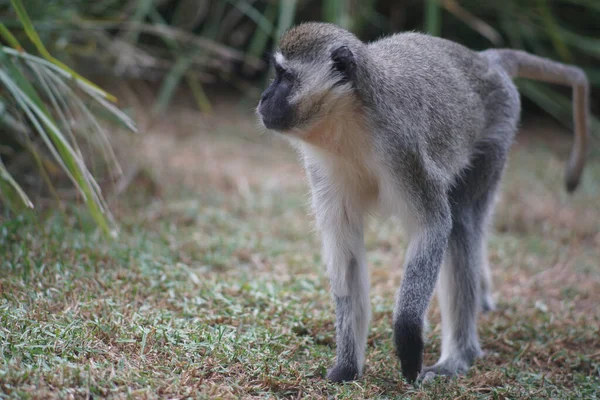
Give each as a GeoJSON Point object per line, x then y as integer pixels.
{"type": "Point", "coordinates": [419, 128]}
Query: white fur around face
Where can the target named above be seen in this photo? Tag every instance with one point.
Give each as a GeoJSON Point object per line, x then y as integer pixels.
{"type": "Point", "coordinates": [279, 59]}
{"type": "Point", "coordinates": [341, 147]}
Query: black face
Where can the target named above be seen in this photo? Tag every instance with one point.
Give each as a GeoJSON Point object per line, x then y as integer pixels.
{"type": "Point", "coordinates": [274, 107]}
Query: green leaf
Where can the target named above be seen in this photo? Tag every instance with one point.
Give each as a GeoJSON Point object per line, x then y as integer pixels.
{"type": "Point", "coordinates": [551, 29]}
{"type": "Point", "coordinates": [90, 90]}
{"type": "Point", "coordinates": [260, 19]}
{"type": "Point", "coordinates": [171, 82]}
{"type": "Point", "coordinates": [11, 190]}
{"type": "Point", "coordinates": [183, 63]}
{"type": "Point", "coordinates": [287, 12]}
{"type": "Point", "coordinates": [199, 94]}
{"type": "Point", "coordinates": [30, 103]}
{"type": "Point", "coordinates": [10, 39]}
{"type": "Point", "coordinates": [260, 39]}
{"type": "Point", "coordinates": [35, 39]}
{"type": "Point", "coordinates": [433, 17]}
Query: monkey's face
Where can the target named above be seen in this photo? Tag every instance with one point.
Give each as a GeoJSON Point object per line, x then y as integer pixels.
{"type": "Point", "coordinates": [305, 91]}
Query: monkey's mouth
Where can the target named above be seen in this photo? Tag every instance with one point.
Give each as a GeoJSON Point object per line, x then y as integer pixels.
{"type": "Point", "coordinates": [276, 124]}
{"type": "Point", "coordinates": [275, 121]}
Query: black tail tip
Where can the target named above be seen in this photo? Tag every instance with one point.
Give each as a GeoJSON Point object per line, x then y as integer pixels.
{"type": "Point", "coordinates": [408, 337]}
{"type": "Point", "coordinates": [571, 184]}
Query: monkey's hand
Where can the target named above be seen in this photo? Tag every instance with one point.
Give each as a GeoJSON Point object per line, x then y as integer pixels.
{"type": "Point", "coordinates": [408, 336]}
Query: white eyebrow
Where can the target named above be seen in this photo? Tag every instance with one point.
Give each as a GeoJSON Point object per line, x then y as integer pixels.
{"type": "Point", "coordinates": [279, 58]}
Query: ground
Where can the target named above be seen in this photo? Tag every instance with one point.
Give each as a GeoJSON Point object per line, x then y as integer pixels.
{"type": "Point", "coordinates": [215, 287]}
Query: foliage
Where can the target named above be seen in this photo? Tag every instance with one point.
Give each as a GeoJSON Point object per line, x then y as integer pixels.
{"type": "Point", "coordinates": [43, 100]}
{"type": "Point", "coordinates": [198, 41]}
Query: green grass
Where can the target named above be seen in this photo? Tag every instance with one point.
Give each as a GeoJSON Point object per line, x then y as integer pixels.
{"type": "Point", "coordinates": [216, 289]}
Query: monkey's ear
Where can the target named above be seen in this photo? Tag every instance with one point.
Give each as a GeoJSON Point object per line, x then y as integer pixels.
{"type": "Point", "coordinates": [344, 62]}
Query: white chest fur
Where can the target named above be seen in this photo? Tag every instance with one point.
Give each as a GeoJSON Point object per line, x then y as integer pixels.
{"type": "Point", "coordinates": [342, 151]}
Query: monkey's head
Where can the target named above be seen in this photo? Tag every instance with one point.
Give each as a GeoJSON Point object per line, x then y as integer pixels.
{"type": "Point", "coordinates": [314, 71]}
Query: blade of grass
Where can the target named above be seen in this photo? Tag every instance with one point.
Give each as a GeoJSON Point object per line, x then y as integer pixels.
{"type": "Point", "coordinates": [166, 31]}
{"type": "Point", "coordinates": [65, 156]}
{"type": "Point", "coordinates": [259, 18]}
{"type": "Point", "coordinates": [477, 24]}
{"type": "Point", "coordinates": [171, 82]}
{"type": "Point", "coordinates": [196, 88]}
{"type": "Point", "coordinates": [260, 39]}
{"type": "Point", "coordinates": [433, 17]}
{"type": "Point", "coordinates": [182, 64]}
{"type": "Point", "coordinates": [58, 100]}
{"type": "Point", "coordinates": [61, 109]}
{"type": "Point", "coordinates": [51, 69]}
{"type": "Point", "coordinates": [367, 14]}
{"type": "Point", "coordinates": [587, 44]}
{"type": "Point", "coordinates": [64, 92]}
{"type": "Point", "coordinates": [43, 172]}
{"type": "Point", "coordinates": [9, 122]}
{"type": "Point", "coordinates": [199, 94]}
{"type": "Point", "coordinates": [20, 97]}
{"type": "Point", "coordinates": [11, 190]}
{"type": "Point", "coordinates": [334, 11]}
{"type": "Point", "coordinates": [31, 105]}
{"type": "Point", "coordinates": [142, 11]}
{"type": "Point", "coordinates": [91, 90]}
{"type": "Point", "coordinates": [550, 28]}
{"type": "Point", "coordinates": [189, 13]}
{"type": "Point", "coordinates": [9, 37]}
{"type": "Point", "coordinates": [35, 39]}
{"type": "Point", "coordinates": [287, 13]}
{"type": "Point", "coordinates": [511, 26]}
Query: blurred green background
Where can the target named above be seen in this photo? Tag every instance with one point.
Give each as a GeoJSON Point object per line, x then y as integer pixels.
{"type": "Point", "coordinates": [198, 42]}
{"type": "Point", "coordinates": [204, 47]}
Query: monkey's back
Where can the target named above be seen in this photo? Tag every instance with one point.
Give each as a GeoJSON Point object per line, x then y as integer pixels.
{"type": "Point", "coordinates": [442, 94]}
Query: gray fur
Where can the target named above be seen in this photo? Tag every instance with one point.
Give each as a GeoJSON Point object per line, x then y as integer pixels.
{"type": "Point", "coordinates": [417, 127]}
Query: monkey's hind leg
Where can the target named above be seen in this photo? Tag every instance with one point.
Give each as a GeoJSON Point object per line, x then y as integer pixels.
{"type": "Point", "coordinates": [487, 300]}
{"type": "Point", "coordinates": [463, 280]}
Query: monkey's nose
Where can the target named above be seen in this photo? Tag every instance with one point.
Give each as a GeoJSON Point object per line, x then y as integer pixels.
{"type": "Point", "coordinates": [264, 96]}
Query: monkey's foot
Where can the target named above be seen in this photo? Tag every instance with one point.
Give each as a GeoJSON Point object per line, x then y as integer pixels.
{"type": "Point", "coordinates": [444, 369]}
{"type": "Point", "coordinates": [487, 303]}
{"type": "Point", "coordinates": [342, 373]}
{"type": "Point", "coordinates": [449, 368]}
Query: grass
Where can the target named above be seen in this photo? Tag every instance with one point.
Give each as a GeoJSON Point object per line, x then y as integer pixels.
{"type": "Point", "coordinates": [40, 98]}
{"type": "Point", "coordinates": [216, 289]}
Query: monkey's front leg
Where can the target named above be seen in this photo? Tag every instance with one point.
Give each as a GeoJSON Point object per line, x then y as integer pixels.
{"type": "Point", "coordinates": [424, 258]}
{"type": "Point", "coordinates": [341, 226]}
{"type": "Point", "coordinates": [345, 256]}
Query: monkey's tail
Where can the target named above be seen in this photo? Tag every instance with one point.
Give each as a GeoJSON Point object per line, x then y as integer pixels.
{"type": "Point", "coordinates": [519, 64]}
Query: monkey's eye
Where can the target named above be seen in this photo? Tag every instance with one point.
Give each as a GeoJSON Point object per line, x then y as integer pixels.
{"type": "Point", "coordinates": [283, 73]}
